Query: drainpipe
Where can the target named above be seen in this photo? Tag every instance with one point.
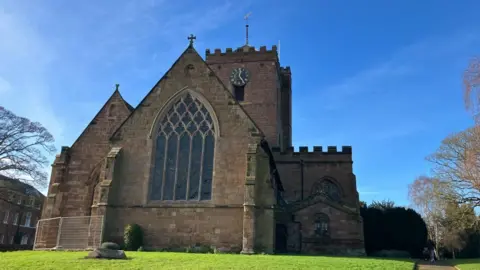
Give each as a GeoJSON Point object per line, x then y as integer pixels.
{"type": "Point", "coordinates": [301, 178]}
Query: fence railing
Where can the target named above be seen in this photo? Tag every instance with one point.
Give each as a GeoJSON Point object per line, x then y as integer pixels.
{"type": "Point", "coordinates": [71, 233]}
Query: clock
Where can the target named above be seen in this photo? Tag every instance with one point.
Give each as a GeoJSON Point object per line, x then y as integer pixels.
{"type": "Point", "coordinates": [239, 77]}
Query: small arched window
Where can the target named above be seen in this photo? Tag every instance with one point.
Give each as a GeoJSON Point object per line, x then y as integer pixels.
{"type": "Point", "coordinates": [184, 148]}
{"type": "Point", "coordinates": [326, 188]}
{"type": "Point", "coordinates": [322, 224]}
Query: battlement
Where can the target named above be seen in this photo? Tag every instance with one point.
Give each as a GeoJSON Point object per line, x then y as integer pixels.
{"type": "Point", "coordinates": [249, 49]}
{"type": "Point", "coordinates": [286, 70]}
{"type": "Point", "coordinates": [317, 150]}
{"type": "Point", "coordinates": [330, 154]}
{"type": "Point", "coordinates": [246, 53]}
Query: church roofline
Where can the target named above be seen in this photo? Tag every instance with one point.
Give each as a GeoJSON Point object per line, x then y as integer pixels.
{"type": "Point", "coordinates": [116, 92]}
{"type": "Point", "coordinates": [191, 48]}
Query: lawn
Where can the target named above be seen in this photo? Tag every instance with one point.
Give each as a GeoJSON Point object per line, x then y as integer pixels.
{"type": "Point", "coordinates": [467, 264]}
{"type": "Point", "coordinates": [164, 260]}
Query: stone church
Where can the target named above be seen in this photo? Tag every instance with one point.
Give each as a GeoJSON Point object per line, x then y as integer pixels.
{"type": "Point", "coordinates": [206, 158]}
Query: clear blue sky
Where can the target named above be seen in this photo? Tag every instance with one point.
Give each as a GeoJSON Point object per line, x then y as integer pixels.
{"type": "Point", "coordinates": [382, 76]}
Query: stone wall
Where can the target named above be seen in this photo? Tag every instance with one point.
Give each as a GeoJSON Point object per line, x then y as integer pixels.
{"type": "Point", "coordinates": [217, 221]}
{"type": "Point", "coordinates": [71, 191]}
{"type": "Point", "coordinates": [261, 92]}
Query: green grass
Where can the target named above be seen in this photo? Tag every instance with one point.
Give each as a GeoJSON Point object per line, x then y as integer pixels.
{"type": "Point", "coordinates": [467, 264]}
{"type": "Point", "coordinates": [164, 260]}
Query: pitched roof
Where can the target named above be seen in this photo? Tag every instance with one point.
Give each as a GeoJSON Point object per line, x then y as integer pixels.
{"type": "Point", "coordinates": [115, 93]}
{"type": "Point", "coordinates": [190, 49]}
{"type": "Point", "coordinates": [17, 185]}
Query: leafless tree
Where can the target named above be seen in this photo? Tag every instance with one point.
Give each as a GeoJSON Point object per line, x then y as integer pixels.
{"type": "Point", "coordinates": [425, 194]}
{"type": "Point", "coordinates": [471, 93]}
{"type": "Point", "coordinates": [23, 148]}
{"type": "Point", "coordinates": [457, 220]}
{"type": "Point", "coordinates": [457, 165]}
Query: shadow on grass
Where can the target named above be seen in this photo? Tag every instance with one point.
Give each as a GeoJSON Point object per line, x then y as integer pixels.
{"type": "Point", "coordinates": [129, 258]}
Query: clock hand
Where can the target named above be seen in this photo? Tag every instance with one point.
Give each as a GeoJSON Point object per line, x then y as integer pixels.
{"type": "Point", "coordinates": [239, 76]}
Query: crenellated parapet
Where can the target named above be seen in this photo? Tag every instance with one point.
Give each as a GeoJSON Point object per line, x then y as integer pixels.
{"type": "Point", "coordinates": [318, 154]}
{"type": "Point", "coordinates": [242, 53]}
{"type": "Point", "coordinates": [286, 70]}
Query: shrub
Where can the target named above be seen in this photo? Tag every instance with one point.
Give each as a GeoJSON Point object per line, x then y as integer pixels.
{"type": "Point", "coordinates": [110, 245]}
{"type": "Point", "coordinates": [133, 237]}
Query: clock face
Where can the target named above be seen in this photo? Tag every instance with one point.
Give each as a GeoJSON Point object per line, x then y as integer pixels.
{"type": "Point", "coordinates": [239, 76]}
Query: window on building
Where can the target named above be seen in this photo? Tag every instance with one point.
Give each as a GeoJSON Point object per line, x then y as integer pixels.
{"type": "Point", "coordinates": [184, 146]}
{"type": "Point", "coordinates": [31, 201]}
{"type": "Point", "coordinates": [239, 93]}
{"type": "Point", "coordinates": [11, 240]}
{"type": "Point", "coordinates": [15, 219]}
{"type": "Point", "coordinates": [5, 217]}
{"type": "Point", "coordinates": [24, 240]}
{"type": "Point", "coordinates": [326, 188]}
{"type": "Point", "coordinates": [322, 224]}
{"type": "Point", "coordinates": [2, 236]}
{"type": "Point", "coordinates": [28, 218]}
{"type": "Point", "coordinates": [19, 200]}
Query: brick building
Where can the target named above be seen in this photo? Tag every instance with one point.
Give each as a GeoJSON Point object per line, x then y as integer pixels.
{"type": "Point", "coordinates": [20, 209]}
{"type": "Point", "coordinates": [206, 158]}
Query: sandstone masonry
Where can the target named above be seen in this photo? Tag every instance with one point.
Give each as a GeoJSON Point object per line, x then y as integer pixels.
{"type": "Point", "coordinates": [261, 196]}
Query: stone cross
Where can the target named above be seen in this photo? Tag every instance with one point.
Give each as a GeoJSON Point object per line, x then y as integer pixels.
{"type": "Point", "coordinates": [191, 38]}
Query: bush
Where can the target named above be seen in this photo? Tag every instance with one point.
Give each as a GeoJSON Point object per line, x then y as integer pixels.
{"type": "Point", "coordinates": [133, 237]}
{"type": "Point", "coordinates": [110, 245]}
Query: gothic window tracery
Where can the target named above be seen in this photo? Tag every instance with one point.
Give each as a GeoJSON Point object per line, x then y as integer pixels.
{"type": "Point", "coordinates": [326, 188]}
{"type": "Point", "coordinates": [184, 148]}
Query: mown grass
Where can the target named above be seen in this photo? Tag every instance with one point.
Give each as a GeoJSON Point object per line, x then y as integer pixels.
{"type": "Point", "coordinates": [166, 260]}
{"type": "Point", "coordinates": [467, 264]}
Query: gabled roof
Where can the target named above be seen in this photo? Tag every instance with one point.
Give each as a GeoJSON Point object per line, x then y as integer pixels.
{"type": "Point", "coordinates": [116, 93]}
{"type": "Point", "coordinates": [17, 185]}
{"type": "Point", "coordinates": [189, 49]}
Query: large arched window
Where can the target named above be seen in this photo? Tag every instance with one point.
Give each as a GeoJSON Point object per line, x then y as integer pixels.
{"type": "Point", "coordinates": [184, 147]}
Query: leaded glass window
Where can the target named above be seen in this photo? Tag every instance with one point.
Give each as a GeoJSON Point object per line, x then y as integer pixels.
{"type": "Point", "coordinates": [322, 223]}
{"type": "Point", "coordinates": [184, 147]}
{"type": "Point", "coordinates": [326, 188]}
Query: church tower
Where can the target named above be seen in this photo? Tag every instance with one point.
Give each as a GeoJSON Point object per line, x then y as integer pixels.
{"type": "Point", "coordinates": [259, 83]}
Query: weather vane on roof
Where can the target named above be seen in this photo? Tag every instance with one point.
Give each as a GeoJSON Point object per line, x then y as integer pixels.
{"type": "Point", "coordinates": [246, 26]}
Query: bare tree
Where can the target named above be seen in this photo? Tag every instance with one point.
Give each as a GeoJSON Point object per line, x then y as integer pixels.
{"type": "Point", "coordinates": [471, 93]}
{"type": "Point", "coordinates": [23, 148]}
{"type": "Point", "coordinates": [425, 196]}
{"type": "Point", "coordinates": [458, 219]}
{"type": "Point", "coordinates": [457, 165]}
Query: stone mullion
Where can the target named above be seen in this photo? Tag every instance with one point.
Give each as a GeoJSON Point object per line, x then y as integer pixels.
{"type": "Point", "coordinates": [202, 157]}
{"type": "Point", "coordinates": [164, 165]}
{"type": "Point", "coordinates": [176, 167]}
{"type": "Point", "coordinates": [189, 167]}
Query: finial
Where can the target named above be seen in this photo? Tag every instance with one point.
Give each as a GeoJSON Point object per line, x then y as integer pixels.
{"type": "Point", "coordinates": [246, 26]}
{"type": "Point", "coordinates": [117, 86]}
{"type": "Point", "coordinates": [191, 38]}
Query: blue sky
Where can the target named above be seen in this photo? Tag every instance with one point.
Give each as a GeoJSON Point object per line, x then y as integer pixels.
{"type": "Point", "coordinates": [382, 76]}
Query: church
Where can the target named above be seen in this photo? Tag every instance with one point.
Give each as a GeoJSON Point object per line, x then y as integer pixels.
{"type": "Point", "coordinates": [206, 158]}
